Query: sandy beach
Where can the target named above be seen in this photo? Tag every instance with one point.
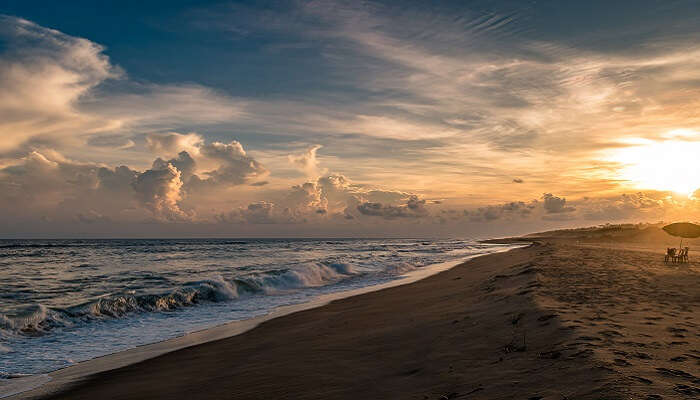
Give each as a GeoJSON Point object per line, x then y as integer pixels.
{"type": "Point", "coordinates": [556, 320]}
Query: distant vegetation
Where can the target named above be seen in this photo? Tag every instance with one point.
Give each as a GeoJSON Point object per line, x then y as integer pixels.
{"type": "Point", "coordinates": [636, 233]}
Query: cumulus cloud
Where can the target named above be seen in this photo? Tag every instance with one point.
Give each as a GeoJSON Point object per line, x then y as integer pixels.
{"type": "Point", "coordinates": [331, 198]}
{"type": "Point", "coordinates": [413, 208]}
{"type": "Point", "coordinates": [556, 205]}
{"type": "Point", "coordinates": [116, 180]}
{"type": "Point", "coordinates": [159, 191]}
{"type": "Point", "coordinates": [235, 166]}
{"type": "Point", "coordinates": [514, 209]}
{"type": "Point", "coordinates": [178, 189]}
{"type": "Point", "coordinates": [307, 161]}
{"type": "Point", "coordinates": [635, 206]}
{"type": "Point", "coordinates": [183, 163]}
{"type": "Point", "coordinates": [305, 199]}
{"type": "Point", "coordinates": [261, 212]}
{"type": "Point", "coordinates": [45, 182]}
{"type": "Point", "coordinates": [215, 164]}
{"type": "Point", "coordinates": [300, 204]}
{"type": "Point", "coordinates": [383, 210]}
{"type": "Point", "coordinates": [46, 186]}
{"type": "Point", "coordinates": [36, 179]}
{"type": "Point", "coordinates": [415, 204]}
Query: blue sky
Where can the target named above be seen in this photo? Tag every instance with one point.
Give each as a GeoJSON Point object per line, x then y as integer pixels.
{"type": "Point", "coordinates": [477, 109]}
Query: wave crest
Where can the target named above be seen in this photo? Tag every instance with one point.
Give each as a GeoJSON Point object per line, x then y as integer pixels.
{"type": "Point", "coordinates": [38, 319]}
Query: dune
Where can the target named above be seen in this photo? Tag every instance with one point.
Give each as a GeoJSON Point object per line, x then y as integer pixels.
{"type": "Point", "coordinates": [560, 319]}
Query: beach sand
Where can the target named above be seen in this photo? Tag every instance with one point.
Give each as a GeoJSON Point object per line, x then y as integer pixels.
{"type": "Point", "coordinates": [557, 320]}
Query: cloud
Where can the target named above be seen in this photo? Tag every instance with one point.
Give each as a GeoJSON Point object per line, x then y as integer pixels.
{"type": "Point", "coordinates": [215, 164]}
{"type": "Point", "coordinates": [260, 212]}
{"type": "Point", "coordinates": [300, 204]}
{"type": "Point", "coordinates": [175, 189]}
{"type": "Point", "coordinates": [117, 142]}
{"type": "Point", "coordinates": [414, 208]}
{"type": "Point", "coordinates": [183, 163]}
{"type": "Point", "coordinates": [46, 184]}
{"type": "Point", "coordinates": [235, 166]}
{"type": "Point", "coordinates": [510, 210]}
{"type": "Point", "coordinates": [148, 107]}
{"type": "Point", "coordinates": [328, 199]}
{"type": "Point", "coordinates": [43, 75]}
{"type": "Point", "coordinates": [416, 205]}
{"type": "Point", "coordinates": [118, 179]}
{"type": "Point", "coordinates": [53, 94]}
{"type": "Point", "coordinates": [259, 183]}
{"type": "Point", "coordinates": [307, 161]}
{"type": "Point", "coordinates": [518, 180]}
{"type": "Point", "coordinates": [172, 143]}
{"type": "Point", "coordinates": [556, 205]}
{"type": "Point", "coordinates": [626, 206]}
{"type": "Point", "coordinates": [159, 191]}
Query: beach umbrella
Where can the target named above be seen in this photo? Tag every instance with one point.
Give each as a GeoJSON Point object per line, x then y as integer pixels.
{"type": "Point", "coordinates": [683, 230]}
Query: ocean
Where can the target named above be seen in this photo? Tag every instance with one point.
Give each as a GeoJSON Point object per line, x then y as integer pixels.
{"type": "Point", "coordinates": [65, 301]}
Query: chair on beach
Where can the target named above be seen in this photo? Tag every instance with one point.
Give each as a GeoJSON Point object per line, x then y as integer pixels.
{"type": "Point", "coordinates": [670, 254]}
{"type": "Point", "coordinates": [680, 257]}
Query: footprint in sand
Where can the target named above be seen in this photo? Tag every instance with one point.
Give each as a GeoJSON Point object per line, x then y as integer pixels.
{"type": "Point", "coordinates": [611, 333]}
{"type": "Point", "coordinates": [678, 374]}
{"type": "Point", "coordinates": [689, 390]}
{"type": "Point", "coordinates": [643, 380]}
{"type": "Point", "coordinates": [589, 338]}
{"type": "Point", "coordinates": [677, 332]}
{"type": "Point", "coordinates": [621, 362]}
{"type": "Point", "coordinates": [643, 356]}
{"type": "Point", "coordinates": [582, 354]}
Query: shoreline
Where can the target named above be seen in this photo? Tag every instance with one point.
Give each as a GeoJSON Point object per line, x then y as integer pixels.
{"type": "Point", "coordinates": [551, 321]}
{"type": "Point", "coordinates": [49, 383]}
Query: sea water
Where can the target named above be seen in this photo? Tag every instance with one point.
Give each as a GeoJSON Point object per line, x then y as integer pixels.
{"type": "Point", "coordinates": [65, 301]}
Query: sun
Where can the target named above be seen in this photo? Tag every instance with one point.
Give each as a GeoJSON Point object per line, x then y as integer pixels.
{"type": "Point", "coordinates": [669, 165]}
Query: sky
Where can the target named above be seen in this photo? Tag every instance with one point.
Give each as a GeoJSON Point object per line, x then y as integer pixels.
{"type": "Point", "coordinates": [346, 118]}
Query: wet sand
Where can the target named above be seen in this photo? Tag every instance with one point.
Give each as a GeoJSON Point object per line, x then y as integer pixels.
{"type": "Point", "coordinates": [557, 320]}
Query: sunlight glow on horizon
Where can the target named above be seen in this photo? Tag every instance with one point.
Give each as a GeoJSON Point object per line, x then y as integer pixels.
{"type": "Point", "coordinates": [672, 165]}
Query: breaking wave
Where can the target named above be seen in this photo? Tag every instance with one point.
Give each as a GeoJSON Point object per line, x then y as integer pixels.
{"type": "Point", "coordinates": [38, 319]}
